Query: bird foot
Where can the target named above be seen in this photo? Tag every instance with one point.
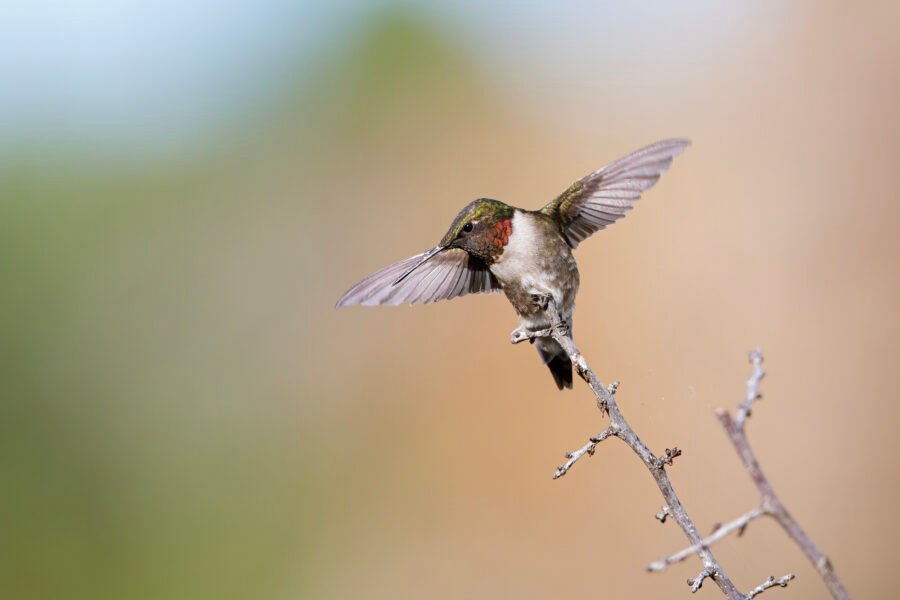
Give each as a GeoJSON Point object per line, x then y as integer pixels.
{"type": "Point", "coordinates": [561, 326]}
{"type": "Point", "coordinates": [541, 301]}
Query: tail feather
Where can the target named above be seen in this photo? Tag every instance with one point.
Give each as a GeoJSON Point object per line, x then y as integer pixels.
{"type": "Point", "coordinates": [561, 369]}
{"type": "Point", "coordinates": [557, 361]}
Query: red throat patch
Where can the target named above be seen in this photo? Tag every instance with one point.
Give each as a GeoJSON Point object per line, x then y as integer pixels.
{"type": "Point", "coordinates": [503, 231]}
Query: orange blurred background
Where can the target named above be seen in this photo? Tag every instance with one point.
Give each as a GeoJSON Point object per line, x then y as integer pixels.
{"type": "Point", "coordinates": [185, 192]}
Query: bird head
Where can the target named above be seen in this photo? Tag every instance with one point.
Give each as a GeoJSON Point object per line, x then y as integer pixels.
{"type": "Point", "coordinates": [482, 228]}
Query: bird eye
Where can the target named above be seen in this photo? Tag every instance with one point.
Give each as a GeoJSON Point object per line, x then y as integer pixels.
{"type": "Point", "coordinates": [468, 227]}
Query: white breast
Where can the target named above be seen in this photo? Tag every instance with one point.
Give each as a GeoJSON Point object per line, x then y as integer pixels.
{"type": "Point", "coordinates": [521, 261]}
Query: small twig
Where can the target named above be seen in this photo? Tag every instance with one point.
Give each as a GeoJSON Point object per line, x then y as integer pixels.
{"type": "Point", "coordinates": [588, 449]}
{"type": "Point", "coordinates": [662, 514]}
{"type": "Point", "coordinates": [770, 501]}
{"type": "Point", "coordinates": [722, 531]}
{"type": "Point", "coordinates": [668, 458]}
{"type": "Point", "coordinates": [769, 583]}
{"type": "Point", "coordinates": [753, 394]}
{"type": "Point", "coordinates": [591, 446]}
{"type": "Point", "coordinates": [697, 582]}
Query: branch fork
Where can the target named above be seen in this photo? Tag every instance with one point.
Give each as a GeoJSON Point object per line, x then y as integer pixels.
{"type": "Point", "coordinates": [697, 582]}
{"type": "Point", "coordinates": [619, 426]}
{"type": "Point", "coordinates": [770, 505]}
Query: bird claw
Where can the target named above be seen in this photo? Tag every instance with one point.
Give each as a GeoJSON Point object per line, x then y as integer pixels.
{"type": "Point", "coordinates": [541, 301]}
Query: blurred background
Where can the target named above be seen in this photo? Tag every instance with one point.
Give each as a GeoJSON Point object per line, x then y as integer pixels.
{"type": "Point", "coordinates": [187, 188]}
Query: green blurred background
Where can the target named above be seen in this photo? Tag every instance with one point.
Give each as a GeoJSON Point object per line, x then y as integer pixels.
{"type": "Point", "coordinates": [186, 189]}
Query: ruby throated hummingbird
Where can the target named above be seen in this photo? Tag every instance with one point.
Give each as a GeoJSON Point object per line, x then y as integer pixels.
{"type": "Point", "coordinates": [492, 246]}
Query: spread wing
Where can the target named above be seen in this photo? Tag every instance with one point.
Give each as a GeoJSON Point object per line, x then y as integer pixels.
{"type": "Point", "coordinates": [604, 196]}
{"type": "Point", "coordinates": [445, 275]}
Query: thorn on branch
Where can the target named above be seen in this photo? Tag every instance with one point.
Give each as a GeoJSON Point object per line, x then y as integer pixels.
{"type": "Point", "coordinates": [769, 583]}
{"type": "Point", "coordinates": [662, 514]}
{"type": "Point", "coordinates": [697, 582]}
{"type": "Point", "coordinates": [668, 458]}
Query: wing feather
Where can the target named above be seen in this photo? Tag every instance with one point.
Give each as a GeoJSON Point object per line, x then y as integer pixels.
{"type": "Point", "coordinates": [448, 274]}
{"type": "Point", "coordinates": [604, 196]}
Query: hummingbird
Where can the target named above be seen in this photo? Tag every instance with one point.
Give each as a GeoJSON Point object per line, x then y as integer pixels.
{"type": "Point", "coordinates": [492, 246]}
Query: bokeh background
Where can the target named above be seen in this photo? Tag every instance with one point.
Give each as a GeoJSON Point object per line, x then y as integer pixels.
{"type": "Point", "coordinates": [186, 189]}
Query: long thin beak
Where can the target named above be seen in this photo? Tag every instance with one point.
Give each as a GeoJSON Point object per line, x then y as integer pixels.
{"type": "Point", "coordinates": [422, 260]}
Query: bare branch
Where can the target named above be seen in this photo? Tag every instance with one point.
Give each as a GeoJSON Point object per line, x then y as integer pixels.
{"type": "Point", "coordinates": [769, 583]}
{"type": "Point", "coordinates": [620, 427]}
{"type": "Point", "coordinates": [753, 394]}
{"type": "Point", "coordinates": [588, 449]}
{"type": "Point", "coordinates": [697, 582]}
{"type": "Point", "coordinates": [721, 532]}
{"type": "Point", "coordinates": [770, 501]}
{"type": "Point", "coordinates": [656, 465]}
